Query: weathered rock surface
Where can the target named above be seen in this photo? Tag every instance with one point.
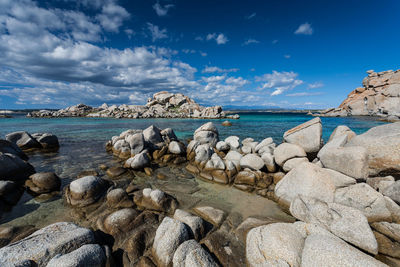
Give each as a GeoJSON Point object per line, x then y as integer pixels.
{"type": "Point", "coordinates": [210, 214]}
{"type": "Point", "coordinates": [35, 141]}
{"type": "Point", "coordinates": [85, 191]}
{"type": "Point", "coordinates": [14, 168]}
{"type": "Point", "coordinates": [196, 224]}
{"type": "Point", "coordinates": [44, 244]}
{"type": "Point", "coordinates": [310, 180]}
{"type": "Point", "coordinates": [252, 161]}
{"type": "Point", "coordinates": [379, 96]}
{"type": "Point", "coordinates": [12, 148]}
{"type": "Point", "coordinates": [43, 182]}
{"type": "Point", "coordinates": [169, 235]}
{"type": "Point", "coordinates": [287, 151]}
{"type": "Point", "coordinates": [307, 135]}
{"type": "Point", "coordinates": [87, 255]}
{"type": "Point", "coordinates": [278, 244]}
{"type": "Point", "coordinates": [190, 253]}
{"type": "Point", "coordinates": [207, 134]}
{"type": "Point", "coordinates": [392, 191]}
{"type": "Point", "coordinates": [345, 222]}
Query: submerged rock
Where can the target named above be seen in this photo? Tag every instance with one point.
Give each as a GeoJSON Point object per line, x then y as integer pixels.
{"type": "Point", "coordinates": [43, 182]}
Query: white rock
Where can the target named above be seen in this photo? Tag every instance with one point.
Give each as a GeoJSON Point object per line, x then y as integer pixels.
{"type": "Point", "coordinates": [292, 163]}
{"type": "Point", "coordinates": [176, 148]}
{"type": "Point", "coordinates": [252, 161]}
{"type": "Point", "coordinates": [190, 253]}
{"type": "Point", "coordinates": [287, 151]}
{"type": "Point", "coordinates": [233, 142]}
{"type": "Point", "coordinates": [307, 135]}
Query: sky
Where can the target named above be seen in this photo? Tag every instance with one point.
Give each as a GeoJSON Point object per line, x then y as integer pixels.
{"type": "Point", "coordinates": [238, 54]}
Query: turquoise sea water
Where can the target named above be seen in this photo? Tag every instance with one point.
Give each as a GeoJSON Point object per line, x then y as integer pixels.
{"type": "Point", "coordinates": [82, 142]}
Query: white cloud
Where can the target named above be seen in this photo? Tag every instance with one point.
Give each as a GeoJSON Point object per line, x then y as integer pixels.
{"type": "Point", "coordinates": [156, 32]}
{"type": "Point", "coordinates": [305, 29]}
{"type": "Point", "coordinates": [251, 41]}
{"type": "Point", "coordinates": [315, 85]}
{"type": "Point", "coordinates": [286, 56]}
{"type": "Point", "coordinates": [112, 17]}
{"type": "Point", "coordinates": [304, 94]}
{"type": "Point", "coordinates": [279, 81]}
{"type": "Point", "coordinates": [251, 16]}
{"type": "Point", "coordinates": [213, 69]}
{"type": "Point", "coordinates": [162, 10]}
{"type": "Point", "coordinates": [219, 38]}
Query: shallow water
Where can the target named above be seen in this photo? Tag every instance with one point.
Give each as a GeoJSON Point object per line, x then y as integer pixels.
{"type": "Point", "coordinates": [82, 147]}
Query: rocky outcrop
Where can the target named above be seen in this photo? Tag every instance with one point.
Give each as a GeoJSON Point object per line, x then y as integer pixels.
{"type": "Point", "coordinates": [44, 182]}
{"type": "Point", "coordinates": [161, 105]}
{"type": "Point", "coordinates": [378, 96]}
{"type": "Point", "coordinates": [26, 141]}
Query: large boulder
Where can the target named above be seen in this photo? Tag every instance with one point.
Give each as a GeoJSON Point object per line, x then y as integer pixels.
{"type": "Point", "coordinates": [138, 162]}
{"type": "Point", "coordinates": [14, 168]}
{"type": "Point", "coordinates": [85, 191]}
{"type": "Point", "coordinates": [12, 148]}
{"type": "Point", "coordinates": [345, 222]}
{"type": "Point", "coordinates": [252, 161]}
{"type": "Point", "coordinates": [233, 142]}
{"type": "Point", "coordinates": [136, 143]}
{"type": "Point", "coordinates": [152, 136]}
{"type": "Point", "coordinates": [277, 244]}
{"type": "Point", "coordinates": [393, 191]}
{"type": "Point", "coordinates": [364, 198]}
{"type": "Point", "coordinates": [307, 135]}
{"type": "Point", "coordinates": [44, 244]}
{"type": "Point", "coordinates": [24, 140]}
{"type": "Point", "coordinates": [169, 235]}
{"type": "Point", "coordinates": [87, 255]}
{"type": "Point", "coordinates": [310, 180]}
{"type": "Point", "coordinates": [47, 140]}
{"type": "Point", "coordinates": [191, 253]}
{"type": "Point", "coordinates": [383, 147]}
{"type": "Point", "coordinates": [352, 161]}
{"type": "Point", "coordinates": [196, 224]}
{"type": "Point", "coordinates": [43, 182]}
{"type": "Point", "coordinates": [329, 250]}
{"type": "Point", "coordinates": [287, 151]}
{"type": "Point", "coordinates": [207, 134]}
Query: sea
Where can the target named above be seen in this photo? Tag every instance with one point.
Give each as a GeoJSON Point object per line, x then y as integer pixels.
{"type": "Point", "coordinates": [82, 147]}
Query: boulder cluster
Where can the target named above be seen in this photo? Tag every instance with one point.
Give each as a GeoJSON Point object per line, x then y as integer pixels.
{"type": "Point", "coordinates": [161, 105]}
{"type": "Point", "coordinates": [16, 173]}
{"type": "Point", "coordinates": [344, 197]}
{"type": "Point", "coordinates": [378, 96]}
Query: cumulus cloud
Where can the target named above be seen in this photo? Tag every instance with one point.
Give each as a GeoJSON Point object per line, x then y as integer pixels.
{"type": "Point", "coordinates": [156, 32]}
{"type": "Point", "coordinates": [162, 10]}
{"type": "Point", "coordinates": [112, 17]}
{"type": "Point", "coordinates": [219, 38]}
{"type": "Point", "coordinates": [250, 41]}
{"type": "Point", "coordinates": [52, 63]}
{"type": "Point", "coordinates": [213, 69]}
{"type": "Point", "coordinates": [304, 29]}
{"type": "Point", "coordinates": [279, 81]}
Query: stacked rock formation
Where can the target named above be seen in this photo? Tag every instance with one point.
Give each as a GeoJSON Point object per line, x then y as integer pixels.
{"type": "Point", "coordinates": [161, 105]}
{"type": "Point", "coordinates": [378, 96]}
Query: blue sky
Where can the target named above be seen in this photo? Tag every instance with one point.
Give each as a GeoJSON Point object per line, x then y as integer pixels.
{"type": "Point", "coordinates": [288, 54]}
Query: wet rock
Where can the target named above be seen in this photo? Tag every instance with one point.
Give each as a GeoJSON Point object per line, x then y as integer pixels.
{"type": "Point", "coordinates": [43, 182]}
{"type": "Point", "coordinates": [277, 244]}
{"type": "Point", "coordinates": [190, 253]}
{"type": "Point", "coordinates": [246, 177]}
{"type": "Point", "coordinates": [120, 221]}
{"type": "Point", "coordinates": [47, 140]}
{"type": "Point", "coordinates": [87, 173]}
{"type": "Point", "coordinates": [155, 200]}
{"type": "Point", "coordinates": [44, 244]}
{"type": "Point", "coordinates": [287, 151]}
{"type": "Point", "coordinates": [310, 180]}
{"type": "Point", "coordinates": [176, 148]}
{"type": "Point", "coordinates": [226, 248]}
{"type": "Point", "coordinates": [169, 235]}
{"type": "Point", "coordinates": [85, 191]}
{"type": "Point", "coordinates": [345, 222]}
{"type": "Point", "coordinates": [207, 134]}
{"type": "Point", "coordinates": [210, 214]}
{"type": "Point", "coordinates": [12, 148]}
{"type": "Point", "coordinates": [352, 161]}
{"type": "Point", "coordinates": [307, 135]}
{"type": "Point", "coordinates": [364, 198]}
{"type": "Point", "coordinates": [219, 176]}
{"type": "Point", "coordinates": [118, 198]}
{"type": "Point", "coordinates": [87, 255]}
{"type": "Point", "coordinates": [23, 140]}
{"type": "Point", "coordinates": [10, 193]}
{"type": "Point", "coordinates": [328, 250]}
{"type": "Point", "coordinates": [196, 224]}
{"type": "Point", "coordinates": [226, 123]}
{"type": "Point", "coordinates": [14, 168]}
{"type": "Point", "coordinates": [393, 191]}
{"type": "Point", "coordinates": [252, 161]}
{"type": "Point", "coordinates": [114, 172]}
{"type": "Point", "coordinates": [138, 161]}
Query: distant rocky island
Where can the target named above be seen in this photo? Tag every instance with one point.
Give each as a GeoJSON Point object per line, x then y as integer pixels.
{"type": "Point", "coordinates": [378, 96]}
{"type": "Point", "coordinates": [161, 105]}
